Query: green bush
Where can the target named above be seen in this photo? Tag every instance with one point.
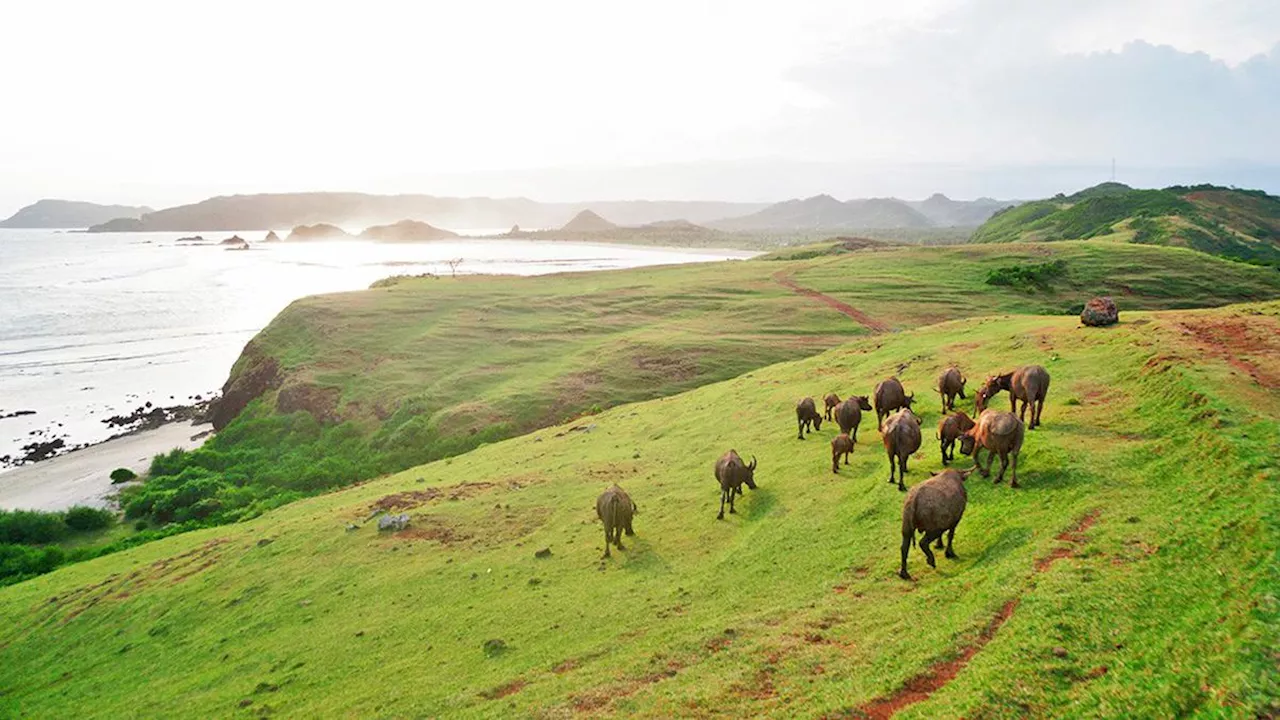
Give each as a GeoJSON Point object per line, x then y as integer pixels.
{"type": "Point", "coordinates": [122, 475]}
{"type": "Point", "coordinates": [19, 562]}
{"type": "Point", "coordinates": [31, 527]}
{"type": "Point", "coordinates": [82, 518]}
{"type": "Point", "coordinates": [1028, 277]}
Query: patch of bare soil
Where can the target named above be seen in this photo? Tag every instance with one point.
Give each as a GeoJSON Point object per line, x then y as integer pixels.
{"type": "Point", "coordinates": [502, 691]}
{"type": "Point", "coordinates": [1253, 347]}
{"type": "Point", "coordinates": [783, 278]}
{"type": "Point", "coordinates": [921, 687]}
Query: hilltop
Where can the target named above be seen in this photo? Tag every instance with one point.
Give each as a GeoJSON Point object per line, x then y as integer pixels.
{"type": "Point", "coordinates": [588, 221]}
{"type": "Point", "coordinates": [826, 213]}
{"type": "Point", "coordinates": [238, 212]}
{"type": "Point", "coordinates": [69, 214]}
{"type": "Point", "coordinates": [406, 231]}
{"type": "Point", "coordinates": [1228, 222]}
{"type": "Point", "coordinates": [1122, 580]}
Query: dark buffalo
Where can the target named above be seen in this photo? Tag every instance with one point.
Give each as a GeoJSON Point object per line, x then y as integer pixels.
{"type": "Point", "coordinates": [732, 473]}
{"type": "Point", "coordinates": [615, 509]}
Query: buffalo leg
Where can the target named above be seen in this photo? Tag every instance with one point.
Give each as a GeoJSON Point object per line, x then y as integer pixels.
{"type": "Point", "coordinates": [925, 542]}
{"type": "Point", "coordinates": [902, 471]}
{"type": "Point", "coordinates": [846, 458]}
{"type": "Point", "coordinates": [951, 535]}
{"type": "Point", "coordinates": [617, 538]}
{"type": "Point", "coordinates": [800, 430]}
{"type": "Point", "coordinates": [606, 540]}
{"type": "Point", "coordinates": [1039, 409]}
{"type": "Point", "coordinates": [906, 546]}
{"type": "Point", "coordinates": [630, 532]}
{"type": "Point", "coordinates": [891, 461]}
{"type": "Point", "coordinates": [1014, 483]}
{"type": "Point", "coordinates": [943, 446]}
{"type": "Point", "coordinates": [835, 462]}
{"type": "Point", "coordinates": [1004, 464]}
{"type": "Point", "coordinates": [723, 495]}
{"type": "Point", "coordinates": [731, 510]}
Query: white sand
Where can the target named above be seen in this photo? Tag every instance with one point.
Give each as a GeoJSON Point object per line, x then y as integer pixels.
{"type": "Point", "coordinates": [83, 477]}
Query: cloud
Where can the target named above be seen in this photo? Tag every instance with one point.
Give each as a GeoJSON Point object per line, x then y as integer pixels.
{"type": "Point", "coordinates": [987, 83]}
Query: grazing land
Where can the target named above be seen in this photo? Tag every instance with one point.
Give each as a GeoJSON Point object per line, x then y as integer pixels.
{"type": "Point", "coordinates": [342, 388]}
{"type": "Point", "coordinates": [1133, 575]}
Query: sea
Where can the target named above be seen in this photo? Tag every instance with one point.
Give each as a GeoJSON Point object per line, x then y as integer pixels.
{"type": "Point", "coordinates": [96, 325]}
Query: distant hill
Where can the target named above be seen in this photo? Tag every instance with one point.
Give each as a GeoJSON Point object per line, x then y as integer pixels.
{"type": "Point", "coordinates": [69, 214]}
{"type": "Point", "coordinates": [406, 231]}
{"type": "Point", "coordinates": [319, 231]}
{"type": "Point", "coordinates": [945, 212]}
{"type": "Point", "coordinates": [1228, 222]}
{"type": "Point", "coordinates": [588, 221]}
{"type": "Point", "coordinates": [241, 212]}
{"type": "Point", "coordinates": [823, 212]}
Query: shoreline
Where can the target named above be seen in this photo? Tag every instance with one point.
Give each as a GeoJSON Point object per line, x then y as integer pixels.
{"type": "Point", "coordinates": [82, 476]}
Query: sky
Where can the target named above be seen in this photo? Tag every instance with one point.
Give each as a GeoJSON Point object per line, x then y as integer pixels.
{"type": "Point", "coordinates": [162, 103]}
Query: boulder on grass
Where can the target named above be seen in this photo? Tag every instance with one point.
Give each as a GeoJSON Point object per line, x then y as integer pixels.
{"type": "Point", "coordinates": [393, 523]}
{"type": "Point", "coordinates": [1100, 311]}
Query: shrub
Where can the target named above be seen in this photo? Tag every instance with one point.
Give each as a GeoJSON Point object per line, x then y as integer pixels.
{"type": "Point", "coordinates": [82, 518]}
{"type": "Point", "coordinates": [1028, 277]}
{"type": "Point", "coordinates": [19, 562]}
{"type": "Point", "coordinates": [122, 475]}
{"type": "Point", "coordinates": [31, 527]}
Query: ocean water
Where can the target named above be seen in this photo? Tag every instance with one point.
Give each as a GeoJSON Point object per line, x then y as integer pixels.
{"type": "Point", "coordinates": [93, 326]}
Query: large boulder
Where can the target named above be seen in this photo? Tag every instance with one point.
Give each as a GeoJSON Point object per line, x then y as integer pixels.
{"type": "Point", "coordinates": [1100, 311]}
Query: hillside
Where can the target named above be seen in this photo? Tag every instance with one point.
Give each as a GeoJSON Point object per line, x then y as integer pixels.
{"type": "Point", "coordinates": [945, 212]}
{"type": "Point", "coordinates": [406, 231]}
{"type": "Point", "coordinates": [825, 213]}
{"type": "Point", "coordinates": [588, 221]}
{"type": "Point", "coordinates": [343, 387]}
{"type": "Point", "coordinates": [69, 214]}
{"type": "Point", "coordinates": [1123, 580]}
{"type": "Point", "coordinates": [1237, 224]}
{"type": "Point", "coordinates": [239, 212]}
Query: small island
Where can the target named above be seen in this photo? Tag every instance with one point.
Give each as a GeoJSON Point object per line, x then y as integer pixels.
{"type": "Point", "coordinates": [406, 231]}
{"type": "Point", "coordinates": [319, 231]}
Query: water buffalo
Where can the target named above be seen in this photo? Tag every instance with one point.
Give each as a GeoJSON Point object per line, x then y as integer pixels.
{"type": "Point", "coordinates": [901, 435]}
{"type": "Point", "coordinates": [841, 444]}
{"type": "Point", "coordinates": [933, 507]}
{"type": "Point", "coordinates": [849, 414]}
{"type": "Point", "coordinates": [830, 400]}
{"type": "Point", "coordinates": [732, 473]}
{"type": "Point", "coordinates": [890, 396]}
{"type": "Point", "coordinates": [999, 433]}
{"type": "Point", "coordinates": [806, 416]}
{"type": "Point", "coordinates": [615, 509]}
{"type": "Point", "coordinates": [950, 384]}
{"type": "Point", "coordinates": [1029, 383]}
{"type": "Point", "coordinates": [950, 429]}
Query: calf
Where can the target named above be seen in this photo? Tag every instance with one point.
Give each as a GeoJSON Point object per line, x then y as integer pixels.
{"type": "Point", "coordinates": [841, 444]}
{"type": "Point", "coordinates": [950, 429]}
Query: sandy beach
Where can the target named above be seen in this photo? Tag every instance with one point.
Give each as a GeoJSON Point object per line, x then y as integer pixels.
{"type": "Point", "coordinates": [83, 477]}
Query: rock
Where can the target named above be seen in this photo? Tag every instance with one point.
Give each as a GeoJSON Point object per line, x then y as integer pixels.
{"type": "Point", "coordinates": [352, 527]}
{"type": "Point", "coordinates": [319, 231]}
{"type": "Point", "coordinates": [393, 523]}
{"type": "Point", "coordinates": [543, 553]}
{"type": "Point", "coordinates": [494, 647]}
{"type": "Point", "coordinates": [271, 237]}
{"type": "Point", "coordinates": [1100, 311]}
{"type": "Point", "coordinates": [234, 240]}
{"type": "Point", "coordinates": [1060, 652]}
{"type": "Point", "coordinates": [192, 238]}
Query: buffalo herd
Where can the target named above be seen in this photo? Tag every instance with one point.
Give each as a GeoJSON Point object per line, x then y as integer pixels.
{"type": "Point", "coordinates": [933, 507]}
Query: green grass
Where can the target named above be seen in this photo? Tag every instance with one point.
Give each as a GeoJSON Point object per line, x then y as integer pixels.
{"type": "Point", "coordinates": [1167, 608]}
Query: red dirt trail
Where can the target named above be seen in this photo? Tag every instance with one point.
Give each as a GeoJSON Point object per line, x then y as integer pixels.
{"type": "Point", "coordinates": [783, 278]}
{"type": "Point", "coordinates": [921, 687]}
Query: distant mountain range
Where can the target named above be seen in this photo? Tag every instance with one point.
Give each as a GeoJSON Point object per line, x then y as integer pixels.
{"type": "Point", "coordinates": [69, 214]}
{"type": "Point", "coordinates": [1228, 222]}
{"type": "Point", "coordinates": [825, 213]}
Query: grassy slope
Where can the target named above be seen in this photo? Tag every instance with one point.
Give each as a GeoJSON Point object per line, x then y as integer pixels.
{"type": "Point", "coordinates": [1166, 607]}
{"type": "Point", "coordinates": [1238, 224]}
{"type": "Point", "coordinates": [530, 351]}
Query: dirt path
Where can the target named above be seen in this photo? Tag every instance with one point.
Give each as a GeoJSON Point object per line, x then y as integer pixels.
{"type": "Point", "coordinates": [921, 687]}
{"type": "Point", "coordinates": [783, 278]}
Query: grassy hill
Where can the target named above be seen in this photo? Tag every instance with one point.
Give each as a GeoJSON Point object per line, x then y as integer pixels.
{"type": "Point", "coordinates": [1133, 576]}
{"type": "Point", "coordinates": [1237, 224]}
{"type": "Point", "coordinates": [346, 387]}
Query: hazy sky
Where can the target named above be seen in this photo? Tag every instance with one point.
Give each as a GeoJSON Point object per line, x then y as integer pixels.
{"type": "Point", "coordinates": [168, 102]}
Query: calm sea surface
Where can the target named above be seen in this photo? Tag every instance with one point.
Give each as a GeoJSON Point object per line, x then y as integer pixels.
{"type": "Point", "coordinates": [95, 325]}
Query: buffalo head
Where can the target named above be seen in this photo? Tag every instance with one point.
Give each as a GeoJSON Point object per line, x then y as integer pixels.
{"type": "Point", "coordinates": [864, 402]}
{"type": "Point", "coordinates": [750, 479]}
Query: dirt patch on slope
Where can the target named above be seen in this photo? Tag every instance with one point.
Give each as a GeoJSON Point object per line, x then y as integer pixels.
{"type": "Point", "coordinates": [1251, 347]}
{"type": "Point", "coordinates": [784, 278]}
{"type": "Point", "coordinates": [923, 686]}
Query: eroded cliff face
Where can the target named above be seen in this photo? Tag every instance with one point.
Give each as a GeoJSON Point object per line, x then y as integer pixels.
{"type": "Point", "coordinates": [253, 375]}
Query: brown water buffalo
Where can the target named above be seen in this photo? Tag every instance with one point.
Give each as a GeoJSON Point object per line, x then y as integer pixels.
{"type": "Point", "coordinates": [732, 473]}
{"type": "Point", "coordinates": [889, 396]}
{"type": "Point", "coordinates": [950, 384]}
{"type": "Point", "coordinates": [950, 429]}
{"type": "Point", "coordinates": [849, 414]}
{"type": "Point", "coordinates": [830, 401]}
{"type": "Point", "coordinates": [999, 433]}
{"type": "Point", "coordinates": [615, 509]}
{"type": "Point", "coordinates": [1029, 383]}
{"type": "Point", "coordinates": [933, 507]}
{"type": "Point", "coordinates": [841, 444]}
{"type": "Point", "coordinates": [901, 436]}
{"type": "Point", "coordinates": [806, 416]}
